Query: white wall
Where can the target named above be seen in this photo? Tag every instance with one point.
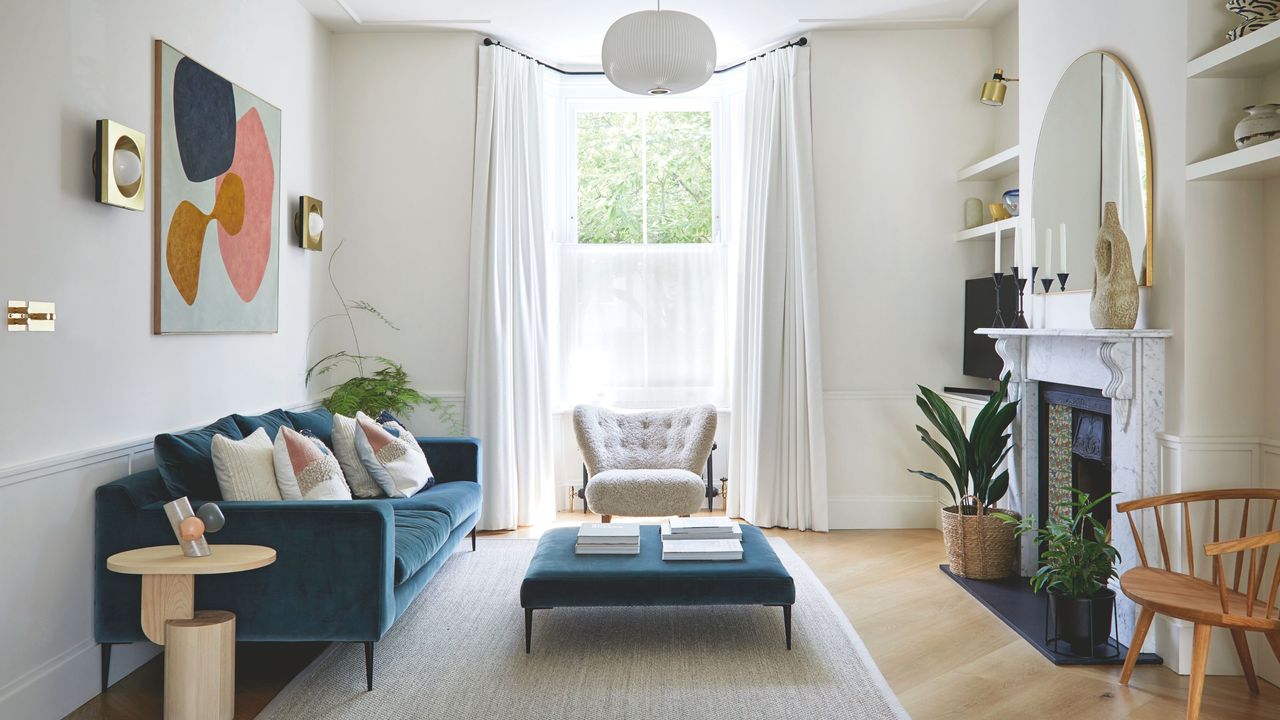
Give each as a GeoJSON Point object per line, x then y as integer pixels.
{"type": "Point", "coordinates": [403, 113]}
{"type": "Point", "coordinates": [103, 380]}
{"type": "Point", "coordinates": [891, 279]}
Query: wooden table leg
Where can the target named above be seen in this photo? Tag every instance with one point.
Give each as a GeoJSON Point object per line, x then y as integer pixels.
{"type": "Point", "coordinates": [164, 598]}
{"type": "Point", "coordinates": [200, 667]}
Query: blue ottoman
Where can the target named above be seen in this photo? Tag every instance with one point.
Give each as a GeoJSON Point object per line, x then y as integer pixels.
{"type": "Point", "coordinates": [559, 578]}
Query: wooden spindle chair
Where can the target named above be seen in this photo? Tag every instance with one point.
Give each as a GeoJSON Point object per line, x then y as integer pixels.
{"type": "Point", "coordinates": [1208, 604]}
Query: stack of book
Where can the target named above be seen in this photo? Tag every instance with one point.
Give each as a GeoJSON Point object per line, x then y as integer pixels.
{"type": "Point", "coordinates": [608, 539]}
{"type": "Point", "coordinates": [701, 538]}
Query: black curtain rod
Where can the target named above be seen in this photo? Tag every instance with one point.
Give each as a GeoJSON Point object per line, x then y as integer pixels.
{"type": "Point", "coordinates": [798, 42]}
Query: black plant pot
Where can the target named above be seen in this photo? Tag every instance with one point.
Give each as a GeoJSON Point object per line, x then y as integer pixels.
{"type": "Point", "coordinates": [1084, 623]}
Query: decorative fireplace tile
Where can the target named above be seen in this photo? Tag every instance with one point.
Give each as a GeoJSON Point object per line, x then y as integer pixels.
{"type": "Point", "coordinates": [1060, 450]}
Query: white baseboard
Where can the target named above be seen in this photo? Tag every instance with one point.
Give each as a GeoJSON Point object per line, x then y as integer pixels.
{"type": "Point", "coordinates": [58, 686]}
{"type": "Point", "coordinates": [868, 512]}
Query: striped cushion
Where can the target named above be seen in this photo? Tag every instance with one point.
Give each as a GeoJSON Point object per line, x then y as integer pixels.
{"type": "Point", "coordinates": [244, 468]}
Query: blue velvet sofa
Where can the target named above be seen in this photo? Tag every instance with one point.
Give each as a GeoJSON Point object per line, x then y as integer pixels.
{"type": "Point", "coordinates": [344, 572]}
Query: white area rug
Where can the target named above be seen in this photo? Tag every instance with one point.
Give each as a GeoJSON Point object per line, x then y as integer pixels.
{"type": "Point", "coordinates": [458, 654]}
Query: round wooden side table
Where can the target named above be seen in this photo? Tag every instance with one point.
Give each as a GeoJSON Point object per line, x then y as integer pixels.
{"type": "Point", "coordinates": [200, 652]}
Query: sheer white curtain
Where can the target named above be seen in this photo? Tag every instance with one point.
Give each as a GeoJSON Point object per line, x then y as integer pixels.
{"type": "Point", "coordinates": [777, 448]}
{"type": "Point", "coordinates": [508, 402]}
{"type": "Point", "coordinates": [644, 326]}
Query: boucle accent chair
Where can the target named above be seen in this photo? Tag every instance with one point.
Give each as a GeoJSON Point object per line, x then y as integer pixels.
{"type": "Point", "coordinates": [644, 464]}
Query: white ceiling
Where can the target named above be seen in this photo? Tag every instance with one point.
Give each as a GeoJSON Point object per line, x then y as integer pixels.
{"type": "Point", "coordinates": [569, 32]}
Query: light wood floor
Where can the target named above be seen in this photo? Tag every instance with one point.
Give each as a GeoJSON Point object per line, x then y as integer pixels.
{"type": "Point", "coordinates": [943, 654]}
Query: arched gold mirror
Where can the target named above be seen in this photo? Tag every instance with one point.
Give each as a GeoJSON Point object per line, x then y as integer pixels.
{"type": "Point", "coordinates": [1094, 148]}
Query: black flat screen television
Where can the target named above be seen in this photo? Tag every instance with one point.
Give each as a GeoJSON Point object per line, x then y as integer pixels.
{"type": "Point", "coordinates": [980, 357]}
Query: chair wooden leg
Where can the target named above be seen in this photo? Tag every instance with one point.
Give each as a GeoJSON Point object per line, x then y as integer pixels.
{"type": "Point", "coordinates": [606, 518]}
{"type": "Point", "coordinates": [1135, 645]}
{"type": "Point", "coordinates": [1199, 660]}
{"type": "Point", "coordinates": [1273, 638]}
{"type": "Point", "coordinates": [1246, 660]}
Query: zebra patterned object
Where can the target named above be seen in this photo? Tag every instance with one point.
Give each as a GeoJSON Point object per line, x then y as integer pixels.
{"type": "Point", "coordinates": [1257, 14]}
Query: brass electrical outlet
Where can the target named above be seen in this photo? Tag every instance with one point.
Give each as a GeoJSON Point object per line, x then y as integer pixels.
{"type": "Point", "coordinates": [26, 316]}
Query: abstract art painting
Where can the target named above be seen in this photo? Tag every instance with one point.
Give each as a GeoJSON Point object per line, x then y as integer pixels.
{"type": "Point", "coordinates": [217, 202]}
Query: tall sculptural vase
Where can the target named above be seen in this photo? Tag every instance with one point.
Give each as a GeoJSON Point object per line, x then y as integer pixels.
{"type": "Point", "coordinates": [1115, 287]}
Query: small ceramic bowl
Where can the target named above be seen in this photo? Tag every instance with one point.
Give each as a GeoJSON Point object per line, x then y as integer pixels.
{"type": "Point", "coordinates": [998, 212]}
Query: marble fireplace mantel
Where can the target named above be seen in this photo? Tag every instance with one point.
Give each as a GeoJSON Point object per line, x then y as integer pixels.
{"type": "Point", "coordinates": [1127, 366]}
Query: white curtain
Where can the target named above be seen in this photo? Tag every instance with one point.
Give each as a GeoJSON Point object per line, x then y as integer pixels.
{"type": "Point", "coordinates": [644, 325]}
{"type": "Point", "coordinates": [508, 402]}
{"type": "Point", "coordinates": [777, 456]}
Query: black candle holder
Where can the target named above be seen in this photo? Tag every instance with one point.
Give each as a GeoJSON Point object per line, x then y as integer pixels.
{"type": "Point", "coordinates": [1062, 281]}
{"type": "Point", "coordinates": [1020, 320]}
{"type": "Point", "coordinates": [998, 320]}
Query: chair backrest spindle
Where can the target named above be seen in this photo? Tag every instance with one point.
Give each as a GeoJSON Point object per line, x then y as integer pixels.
{"type": "Point", "coordinates": [1217, 566]}
{"type": "Point", "coordinates": [1164, 544]}
{"type": "Point", "coordinates": [1137, 539]}
{"type": "Point", "coordinates": [1186, 527]}
{"type": "Point", "coordinates": [1244, 532]}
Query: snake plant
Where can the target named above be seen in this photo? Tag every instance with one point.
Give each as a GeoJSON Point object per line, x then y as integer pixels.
{"type": "Point", "coordinates": [972, 458]}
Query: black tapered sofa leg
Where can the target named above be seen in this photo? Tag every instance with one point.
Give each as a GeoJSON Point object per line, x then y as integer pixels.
{"type": "Point", "coordinates": [368, 665]}
{"type": "Point", "coordinates": [106, 666]}
{"type": "Point", "coordinates": [473, 539]}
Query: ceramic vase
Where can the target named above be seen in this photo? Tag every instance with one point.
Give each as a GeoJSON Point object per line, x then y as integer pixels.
{"type": "Point", "coordinates": [972, 213]}
{"type": "Point", "coordinates": [1115, 287]}
{"type": "Point", "coordinates": [1256, 15]}
{"type": "Point", "coordinates": [1262, 123]}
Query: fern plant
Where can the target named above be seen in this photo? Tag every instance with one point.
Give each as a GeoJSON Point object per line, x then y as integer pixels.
{"type": "Point", "coordinates": [386, 386]}
{"type": "Point", "coordinates": [972, 458]}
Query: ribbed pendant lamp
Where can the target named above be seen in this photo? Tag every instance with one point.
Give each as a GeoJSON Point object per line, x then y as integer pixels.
{"type": "Point", "coordinates": [658, 52]}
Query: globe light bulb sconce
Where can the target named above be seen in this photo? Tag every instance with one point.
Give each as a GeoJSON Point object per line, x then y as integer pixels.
{"type": "Point", "coordinates": [119, 166]}
{"type": "Point", "coordinates": [311, 232]}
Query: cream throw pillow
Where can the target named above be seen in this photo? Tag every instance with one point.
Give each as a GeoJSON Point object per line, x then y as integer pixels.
{"type": "Point", "coordinates": [344, 448]}
{"type": "Point", "coordinates": [244, 468]}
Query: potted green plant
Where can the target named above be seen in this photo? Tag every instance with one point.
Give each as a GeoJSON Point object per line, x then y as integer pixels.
{"type": "Point", "coordinates": [1075, 566]}
{"type": "Point", "coordinates": [378, 383]}
{"type": "Point", "coordinates": [979, 546]}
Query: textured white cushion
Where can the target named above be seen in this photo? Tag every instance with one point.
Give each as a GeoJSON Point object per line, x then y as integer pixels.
{"type": "Point", "coordinates": [306, 470]}
{"type": "Point", "coordinates": [392, 456]}
{"type": "Point", "coordinates": [645, 493]}
{"type": "Point", "coordinates": [344, 447]}
{"type": "Point", "coordinates": [244, 468]}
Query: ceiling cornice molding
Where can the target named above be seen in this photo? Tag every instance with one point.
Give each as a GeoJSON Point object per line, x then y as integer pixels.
{"type": "Point", "coordinates": [966, 17]}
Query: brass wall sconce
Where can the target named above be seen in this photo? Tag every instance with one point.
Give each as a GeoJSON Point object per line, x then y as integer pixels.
{"type": "Point", "coordinates": [119, 165]}
{"type": "Point", "coordinates": [308, 223]}
{"type": "Point", "coordinates": [26, 316]}
{"type": "Point", "coordinates": [994, 89]}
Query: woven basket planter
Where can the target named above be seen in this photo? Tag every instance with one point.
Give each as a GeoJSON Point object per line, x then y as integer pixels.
{"type": "Point", "coordinates": [980, 546]}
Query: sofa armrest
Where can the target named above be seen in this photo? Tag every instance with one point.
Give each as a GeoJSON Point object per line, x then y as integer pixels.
{"type": "Point", "coordinates": [453, 459]}
{"type": "Point", "coordinates": [332, 579]}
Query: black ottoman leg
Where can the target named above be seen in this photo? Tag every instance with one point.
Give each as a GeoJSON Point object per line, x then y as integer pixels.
{"type": "Point", "coordinates": [786, 621]}
{"type": "Point", "coordinates": [368, 665]}
{"type": "Point", "coordinates": [528, 629]}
